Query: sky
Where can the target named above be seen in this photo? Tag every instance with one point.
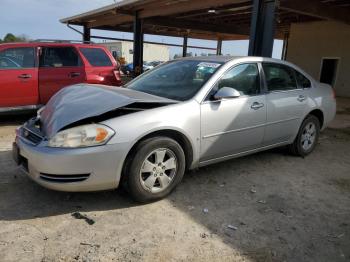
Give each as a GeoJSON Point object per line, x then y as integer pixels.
{"type": "Point", "coordinates": [39, 19]}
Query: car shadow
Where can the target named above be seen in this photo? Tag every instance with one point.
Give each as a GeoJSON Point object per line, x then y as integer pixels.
{"type": "Point", "coordinates": [16, 118]}
{"type": "Point", "coordinates": [21, 198]}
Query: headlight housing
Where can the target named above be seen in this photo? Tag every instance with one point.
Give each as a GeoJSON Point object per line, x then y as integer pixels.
{"type": "Point", "coordinates": [82, 136]}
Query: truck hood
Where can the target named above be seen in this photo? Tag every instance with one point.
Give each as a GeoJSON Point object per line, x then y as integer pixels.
{"type": "Point", "coordinates": [82, 101]}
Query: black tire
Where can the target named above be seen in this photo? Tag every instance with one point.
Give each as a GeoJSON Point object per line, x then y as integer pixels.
{"type": "Point", "coordinates": [132, 171]}
{"type": "Point", "coordinates": [296, 148]}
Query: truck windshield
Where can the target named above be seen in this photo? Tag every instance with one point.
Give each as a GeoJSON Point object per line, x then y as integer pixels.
{"type": "Point", "coordinates": [178, 80]}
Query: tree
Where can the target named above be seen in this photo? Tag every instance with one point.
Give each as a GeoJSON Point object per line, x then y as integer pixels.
{"type": "Point", "coordinates": [12, 38]}
{"type": "Point", "coordinates": [9, 38]}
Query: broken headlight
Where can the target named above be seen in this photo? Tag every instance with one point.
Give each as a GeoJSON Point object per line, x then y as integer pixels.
{"type": "Point", "coordinates": [82, 136]}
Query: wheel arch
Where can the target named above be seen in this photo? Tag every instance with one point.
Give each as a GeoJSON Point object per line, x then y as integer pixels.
{"type": "Point", "coordinates": [178, 136]}
{"type": "Point", "coordinates": [319, 115]}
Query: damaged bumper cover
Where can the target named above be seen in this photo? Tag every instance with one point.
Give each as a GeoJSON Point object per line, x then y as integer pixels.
{"type": "Point", "coordinates": [72, 170]}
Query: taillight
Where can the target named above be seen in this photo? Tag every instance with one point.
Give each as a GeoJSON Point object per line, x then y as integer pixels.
{"type": "Point", "coordinates": [117, 76]}
{"type": "Point", "coordinates": [333, 93]}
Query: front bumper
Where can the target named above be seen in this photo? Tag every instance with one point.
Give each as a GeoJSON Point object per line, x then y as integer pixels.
{"type": "Point", "coordinates": [73, 170]}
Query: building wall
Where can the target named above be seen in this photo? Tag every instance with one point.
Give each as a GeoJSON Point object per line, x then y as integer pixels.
{"type": "Point", "coordinates": [151, 52]}
{"type": "Point", "coordinates": [113, 46]}
{"type": "Point", "coordinates": [310, 42]}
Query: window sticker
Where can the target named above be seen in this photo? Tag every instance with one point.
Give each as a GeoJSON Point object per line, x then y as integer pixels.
{"type": "Point", "coordinates": [206, 64]}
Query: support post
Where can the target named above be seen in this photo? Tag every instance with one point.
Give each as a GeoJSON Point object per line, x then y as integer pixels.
{"type": "Point", "coordinates": [184, 47]}
{"type": "Point", "coordinates": [285, 46]}
{"type": "Point", "coordinates": [219, 47]}
{"type": "Point", "coordinates": [138, 46]}
{"type": "Point", "coordinates": [86, 34]}
{"type": "Point", "coordinates": [262, 28]}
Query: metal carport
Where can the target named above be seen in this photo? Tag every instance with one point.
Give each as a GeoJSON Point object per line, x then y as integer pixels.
{"type": "Point", "coordinates": [260, 21]}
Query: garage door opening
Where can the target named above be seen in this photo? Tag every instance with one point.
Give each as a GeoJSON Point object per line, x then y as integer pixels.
{"type": "Point", "coordinates": [329, 70]}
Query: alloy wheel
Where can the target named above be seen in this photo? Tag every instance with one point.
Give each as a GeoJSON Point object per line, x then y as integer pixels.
{"type": "Point", "coordinates": [308, 136]}
{"type": "Point", "coordinates": [158, 170]}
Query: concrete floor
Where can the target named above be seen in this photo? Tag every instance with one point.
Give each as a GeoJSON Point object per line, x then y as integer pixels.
{"type": "Point", "coordinates": [284, 208]}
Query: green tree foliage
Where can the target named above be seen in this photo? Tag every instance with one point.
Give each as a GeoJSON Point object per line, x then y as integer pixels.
{"type": "Point", "coordinates": [12, 38]}
{"type": "Point", "coordinates": [9, 38]}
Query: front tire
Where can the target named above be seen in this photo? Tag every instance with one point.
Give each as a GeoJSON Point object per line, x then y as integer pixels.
{"type": "Point", "coordinates": [155, 169]}
{"type": "Point", "coordinates": [307, 137]}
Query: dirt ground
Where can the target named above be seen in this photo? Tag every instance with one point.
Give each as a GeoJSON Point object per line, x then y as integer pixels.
{"type": "Point", "coordinates": [265, 207]}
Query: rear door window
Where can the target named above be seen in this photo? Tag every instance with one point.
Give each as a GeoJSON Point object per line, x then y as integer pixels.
{"type": "Point", "coordinates": [279, 77]}
{"type": "Point", "coordinates": [17, 58]}
{"type": "Point", "coordinates": [59, 57]}
{"type": "Point", "coordinates": [96, 56]}
{"type": "Point", "coordinates": [302, 80]}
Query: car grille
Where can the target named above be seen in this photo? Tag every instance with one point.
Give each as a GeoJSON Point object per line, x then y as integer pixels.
{"type": "Point", "coordinates": [31, 132]}
{"type": "Point", "coordinates": [64, 178]}
{"type": "Point", "coordinates": [31, 136]}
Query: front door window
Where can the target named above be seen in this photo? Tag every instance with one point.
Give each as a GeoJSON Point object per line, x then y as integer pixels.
{"type": "Point", "coordinates": [17, 58]}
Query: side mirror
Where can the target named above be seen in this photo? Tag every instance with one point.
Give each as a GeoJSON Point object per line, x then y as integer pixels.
{"type": "Point", "coordinates": [226, 92]}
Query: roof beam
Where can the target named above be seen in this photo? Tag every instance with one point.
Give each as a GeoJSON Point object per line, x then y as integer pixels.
{"type": "Point", "coordinates": [112, 20]}
{"type": "Point", "coordinates": [315, 8]}
{"type": "Point", "coordinates": [227, 9]}
{"type": "Point", "coordinates": [192, 34]}
{"type": "Point", "coordinates": [194, 25]}
{"type": "Point", "coordinates": [184, 6]}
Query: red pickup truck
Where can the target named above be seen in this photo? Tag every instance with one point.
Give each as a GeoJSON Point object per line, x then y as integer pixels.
{"type": "Point", "coordinates": [30, 73]}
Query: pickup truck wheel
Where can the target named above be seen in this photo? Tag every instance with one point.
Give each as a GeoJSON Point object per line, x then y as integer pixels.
{"type": "Point", "coordinates": [307, 137]}
{"type": "Point", "coordinates": [155, 170]}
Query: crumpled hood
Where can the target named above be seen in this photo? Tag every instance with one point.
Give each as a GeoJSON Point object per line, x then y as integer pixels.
{"type": "Point", "coordinates": [78, 102]}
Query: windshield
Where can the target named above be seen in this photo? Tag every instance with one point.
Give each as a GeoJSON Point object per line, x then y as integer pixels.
{"type": "Point", "coordinates": [178, 80]}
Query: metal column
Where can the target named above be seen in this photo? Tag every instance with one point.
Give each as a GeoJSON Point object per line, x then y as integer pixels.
{"type": "Point", "coordinates": [219, 47]}
{"type": "Point", "coordinates": [262, 28]}
{"type": "Point", "coordinates": [184, 47]}
{"type": "Point", "coordinates": [138, 46]}
{"type": "Point", "coordinates": [285, 46]}
{"type": "Point", "coordinates": [86, 34]}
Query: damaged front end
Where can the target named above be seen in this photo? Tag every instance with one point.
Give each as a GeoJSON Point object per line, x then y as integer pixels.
{"type": "Point", "coordinates": [31, 131]}
{"type": "Point", "coordinates": [87, 104]}
{"type": "Point", "coordinates": [129, 109]}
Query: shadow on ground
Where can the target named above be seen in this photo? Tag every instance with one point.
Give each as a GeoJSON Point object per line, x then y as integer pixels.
{"type": "Point", "coordinates": [15, 118]}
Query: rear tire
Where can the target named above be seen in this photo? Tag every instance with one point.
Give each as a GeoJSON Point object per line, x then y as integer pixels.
{"type": "Point", "coordinates": [307, 137]}
{"type": "Point", "coordinates": [155, 169]}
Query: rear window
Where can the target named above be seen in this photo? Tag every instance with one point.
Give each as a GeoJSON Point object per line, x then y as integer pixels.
{"type": "Point", "coordinates": [96, 56]}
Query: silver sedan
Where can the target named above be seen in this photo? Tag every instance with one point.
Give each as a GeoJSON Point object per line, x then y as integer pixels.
{"type": "Point", "coordinates": [182, 115]}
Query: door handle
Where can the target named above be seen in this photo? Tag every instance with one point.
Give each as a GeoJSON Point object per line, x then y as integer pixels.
{"type": "Point", "coordinates": [25, 76]}
{"type": "Point", "coordinates": [301, 98]}
{"type": "Point", "coordinates": [256, 105]}
{"type": "Point", "coordinates": [74, 74]}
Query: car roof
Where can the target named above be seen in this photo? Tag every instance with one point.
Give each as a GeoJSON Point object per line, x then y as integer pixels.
{"type": "Point", "coordinates": [39, 43]}
{"type": "Point", "coordinates": [214, 58]}
{"type": "Point", "coordinates": [242, 59]}
{"type": "Point", "coordinates": [225, 59]}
